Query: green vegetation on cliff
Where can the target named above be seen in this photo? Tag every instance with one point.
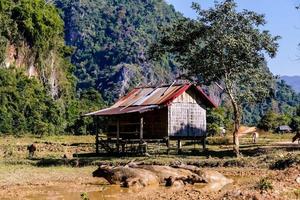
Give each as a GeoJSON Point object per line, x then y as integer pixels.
{"type": "Point", "coordinates": [111, 38]}
{"type": "Point", "coordinates": [37, 85]}
{"type": "Point", "coordinates": [42, 92]}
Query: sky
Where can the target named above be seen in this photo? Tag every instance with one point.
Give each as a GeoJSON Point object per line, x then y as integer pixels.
{"type": "Point", "coordinates": [282, 18]}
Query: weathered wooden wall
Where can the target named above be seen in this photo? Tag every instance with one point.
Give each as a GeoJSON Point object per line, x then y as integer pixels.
{"type": "Point", "coordinates": [186, 116]}
{"type": "Point", "coordinates": [155, 125]}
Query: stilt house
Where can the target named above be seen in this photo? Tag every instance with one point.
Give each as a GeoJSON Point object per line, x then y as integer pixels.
{"type": "Point", "coordinates": [170, 112]}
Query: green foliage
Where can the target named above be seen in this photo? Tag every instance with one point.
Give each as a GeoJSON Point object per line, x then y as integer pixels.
{"type": "Point", "coordinates": [226, 46]}
{"type": "Point", "coordinates": [295, 122]}
{"type": "Point", "coordinates": [283, 100]}
{"type": "Point", "coordinates": [89, 100]}
{"type": "Point", "coordinates": [271, 120]}
{"type": "Point", "coordinates": [40, 23]}
{"type": "Point", "coordinates": [268, 121]}
{"type": "Point", "coordinates": [298, 110]}
{"type": "Point", "coordinates": [264, 184]}
{"type": "Point", "coordinates": [223, 45]}
{"type": "Point", "coordinates": [218, 141]}
{"type": "Point", "coordinates": [32, 21]}
{"type": "Point", "coordinates": [25, 105]}
{"type": "Point", "coordinates": [111, 39]}
{"type": "Point", "coordinates": [215, 120]}
{"type": "Point", "coordinates": [84, 196]}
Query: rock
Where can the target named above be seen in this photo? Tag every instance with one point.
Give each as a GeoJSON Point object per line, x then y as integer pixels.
{"type": "Point", "coordinates": [298, 179]}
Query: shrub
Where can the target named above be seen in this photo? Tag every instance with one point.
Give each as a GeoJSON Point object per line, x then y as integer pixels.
{"type": "Point", "coordinates": [218, 141]}
{"type": "Point", "coordinates": [264, 184]}
{"type": "Point", "coordinates": [284, 163]}
{"type": "Point", "coordinates": [84, 196]}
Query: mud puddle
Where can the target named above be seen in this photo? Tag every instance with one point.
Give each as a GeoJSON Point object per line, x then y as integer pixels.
{"type": "Point", "coordinates": [102, 192]}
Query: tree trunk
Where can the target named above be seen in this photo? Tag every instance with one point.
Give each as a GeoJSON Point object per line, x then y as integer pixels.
{"type": "Point", "coordinates": [237, 123]}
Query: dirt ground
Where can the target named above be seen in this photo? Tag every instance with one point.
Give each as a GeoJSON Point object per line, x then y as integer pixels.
{"type": "Point", "coordinates": [267, 170]}
{"type": "Point", "coordinates": [72, 183]}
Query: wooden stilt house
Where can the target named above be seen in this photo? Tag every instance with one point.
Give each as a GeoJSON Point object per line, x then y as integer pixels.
{"type": "Point", "coordinates": [146, 114]}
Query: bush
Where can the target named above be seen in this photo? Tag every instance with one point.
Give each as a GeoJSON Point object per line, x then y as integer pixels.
{"type": "Point", "coordinates": [218, 140]}
{"type": "Point", "coordinates": [264, 184]}
{"type": "Point", "coordinates": [286, 163]}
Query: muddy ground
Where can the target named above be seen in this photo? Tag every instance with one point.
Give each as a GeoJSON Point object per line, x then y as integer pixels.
{"type": "Point", "coordinates": [267, 170]}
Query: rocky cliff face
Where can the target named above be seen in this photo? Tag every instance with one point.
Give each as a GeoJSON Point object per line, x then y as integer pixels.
{"type": "Point", "coordinates": [22, 56]}
{"type": "Point", "coordinates": [111, 39]}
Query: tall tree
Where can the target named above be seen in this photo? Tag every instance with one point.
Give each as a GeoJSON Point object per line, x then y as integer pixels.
{"type": "Point", "coordinates": [226, 46]}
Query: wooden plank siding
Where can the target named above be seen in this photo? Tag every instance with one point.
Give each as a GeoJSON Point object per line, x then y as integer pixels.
{"type": "Point", "coordinates": [155, 125]}
{"type": "Point", "coordinates": [187, 116]}
{"type": "Point", "coordinates": [184, 118]}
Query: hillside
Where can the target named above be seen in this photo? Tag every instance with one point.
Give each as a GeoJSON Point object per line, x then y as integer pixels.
{"type": "Point", "coordinates": [37, 85]}
{"type": "Point", "coordinates": [293, 81]}
{"type": "Point", "coordinates": [41, 92]}
{"type": "Point", "coordinates": [111, 40]}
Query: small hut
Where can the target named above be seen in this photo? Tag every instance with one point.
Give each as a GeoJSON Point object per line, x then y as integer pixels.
{"type": "Point", "coordinates": [152, 114]}
{"type": "Point", "coordinates": [283, 129]}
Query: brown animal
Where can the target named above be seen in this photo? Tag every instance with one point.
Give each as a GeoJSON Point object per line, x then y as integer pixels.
{"type": "Point", "coordinates": [296, 137]}
{"type": "Point", "coordinates": [146, 175]}
{"type": "Point", "coordinates": [255, 136]}
{"type": "Point", "coordinates": [126, 176]}
{"type": "Point", "coordinates": [31, 149]}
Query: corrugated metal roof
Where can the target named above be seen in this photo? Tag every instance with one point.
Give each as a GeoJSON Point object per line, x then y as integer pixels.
{"type": "Point", "coordinates": [148, 98]}
{"type": "Point", "coordinates": [123, 110]}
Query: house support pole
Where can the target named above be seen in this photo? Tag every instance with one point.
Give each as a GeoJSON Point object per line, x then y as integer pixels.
{"type": "Point", "coordinates": [204, 143]}
{"type": "Point", "coordinates": [118, 135]}
{"type": "Point", "coordinates": [97, 134]}
{"type": "Point", "coordinates": [179, 146]}
{"type": "Point", "coordinates": [143, 145]}
{"type": "Point", "coordinates": [168, 145]}
{"type": "Point", "coordinates": [141, 129]}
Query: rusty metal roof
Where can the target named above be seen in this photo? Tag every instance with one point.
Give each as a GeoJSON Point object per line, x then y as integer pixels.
{"type": "Point", "coordinates": [122, 110]}
{"type": "Point", "coordinates": [149, 96]}
{"type": "Point", "coordinates": [144, 99]}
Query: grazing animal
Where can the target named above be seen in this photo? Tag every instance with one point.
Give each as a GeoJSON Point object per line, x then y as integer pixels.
{"type": "Point", "coordinates": [255, 136]}
{"type": "Point", "coordinates": [31, 149]}
{"type": "Point", "coordinates": [296, 137]}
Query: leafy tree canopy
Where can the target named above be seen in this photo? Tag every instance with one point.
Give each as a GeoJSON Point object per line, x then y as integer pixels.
{"type": "Point", "coordinates": [225, 46]}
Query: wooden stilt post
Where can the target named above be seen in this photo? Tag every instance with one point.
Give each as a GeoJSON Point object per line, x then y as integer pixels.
{"type": "Point", "coordinates": [141, 129]}
{"type": "Point", "coordinates": [168, 145]}
{"type": "Point", "coordinates": [118, 135]}
{"type": "Point", "coordinates": [204, 143]}
{"type": "Point", "coordinates": [179, 146]}
{"type": "Point", "coordinates": [97, 134]}
{"type": "Point", "coordinates": [141, 146]}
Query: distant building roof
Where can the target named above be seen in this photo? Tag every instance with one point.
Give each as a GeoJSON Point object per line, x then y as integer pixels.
{"type": "Point", "coordinates": [284, 128]}
{"type": "Point", "coordinates": [144, 99]}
